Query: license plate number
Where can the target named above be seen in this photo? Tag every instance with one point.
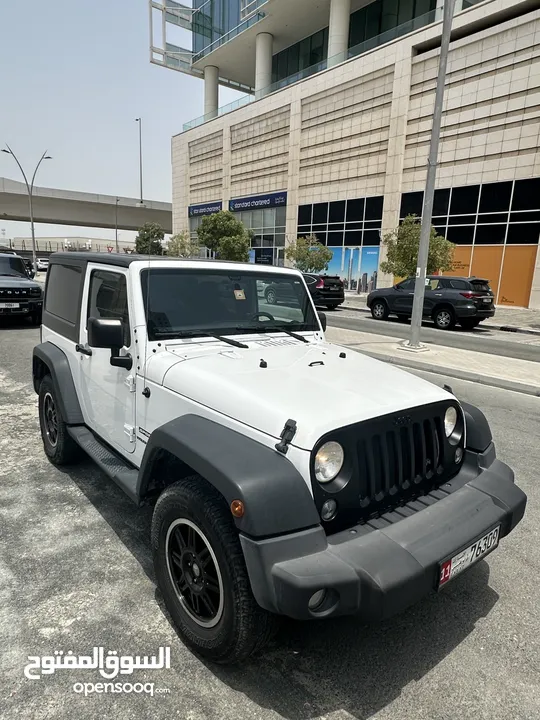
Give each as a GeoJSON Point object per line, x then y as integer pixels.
{"type": "Point", "coordinates": [450, 568]}
{"type": "Point", "coordinates": [9, 305]}
{"type": "Point", "coordinates": [487, 300]}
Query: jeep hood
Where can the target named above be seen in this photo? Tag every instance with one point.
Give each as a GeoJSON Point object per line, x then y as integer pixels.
{"type": "Point", "coordinates": [310, 384]}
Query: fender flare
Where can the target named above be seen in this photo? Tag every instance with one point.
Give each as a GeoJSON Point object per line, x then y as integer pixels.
{"type": "Point", "coordinates": [478, 432]}
{"type": "Point", "coordinates": [64, 388]}
{"type": "Point", "coordinates": [276, 497]}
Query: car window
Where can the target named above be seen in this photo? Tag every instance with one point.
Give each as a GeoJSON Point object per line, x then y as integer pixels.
{"type": "Point", "coordinates": [459, 285]}
{"type": "Point", "coordinates": [480, 286]}
{"type": "Point", "coordinates": [219, 302]}
{"type": "Point", "coordinates": [433, 284]}
{"type": "Point", "coordinates": [63, 292]}
{"type": "Point", "coordinates": [407, 284]}
{"type": "Point", "coordinates": [12, 266]}
{"type": "Point", "coordinates": [107, 299]}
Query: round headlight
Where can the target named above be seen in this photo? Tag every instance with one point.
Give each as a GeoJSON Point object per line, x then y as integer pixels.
{"type": "Point", "coordinates": [450, 421]}
{"type": "Point", "coordinates": [328, 461]}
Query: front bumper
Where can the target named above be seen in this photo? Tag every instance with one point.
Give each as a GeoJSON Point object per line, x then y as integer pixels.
{"type": "Point", "coordinates": [26, 307]}
{"type": "Point", "coordinates": [381, 568]}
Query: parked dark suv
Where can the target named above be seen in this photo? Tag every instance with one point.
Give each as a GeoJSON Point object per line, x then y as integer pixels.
{"type": "Point", "coordinates": [325, 290]}
{"type": "Point", "coordinates": [448, 300]}
{"type": "Point", "coordinates": [19, 294]}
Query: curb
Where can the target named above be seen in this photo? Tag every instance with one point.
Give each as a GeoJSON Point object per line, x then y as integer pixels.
{"type": "Point", "coordinates": [500, 383]}
{"type": "Point", "coordinates": [503, 328]}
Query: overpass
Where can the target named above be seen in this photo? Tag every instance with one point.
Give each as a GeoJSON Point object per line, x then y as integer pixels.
{"type": "Point", "coordinates": [66, 207]}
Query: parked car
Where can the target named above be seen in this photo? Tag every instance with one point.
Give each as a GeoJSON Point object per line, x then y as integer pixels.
{"type": "Point", "coordinates": [42, 264]}
{"type": "Point", "coordinates": [326, 290]}
{"type": "Point", "coordinates": [263, 505]}
{"type": "Point", "coordinates": [19, 294]}
{"type": "Point", "coordinates": [448, 300]}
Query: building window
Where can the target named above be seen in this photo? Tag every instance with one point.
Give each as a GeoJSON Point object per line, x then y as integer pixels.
{"type": "Point", "coordinates": [479, 214]}
{"type": "Point", "coordinates": [348, 223]}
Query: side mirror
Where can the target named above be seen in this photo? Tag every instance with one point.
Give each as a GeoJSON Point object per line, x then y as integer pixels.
{"type": "Point", "coordinates": [105, 333]}
{"type": "Point", "coordinates": [31, 274]}
{"type": "Point", "coordinates": [322, 319]}
{"type": "Point", "coordinates": [109, 334]}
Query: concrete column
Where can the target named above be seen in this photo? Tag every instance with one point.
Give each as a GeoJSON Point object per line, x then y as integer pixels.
{"type": "Point", "coordinates": [395, 161]}
{"type": "Point", "coordinates": [263, 62]}
{"type": "Point", "coordinates": [211, 90]}
{"type": "Point", "coordinates": [338, 33]}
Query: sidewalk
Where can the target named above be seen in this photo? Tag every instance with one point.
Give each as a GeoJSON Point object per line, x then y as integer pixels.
{"type": "Point", "coordinates": [502, 372]}
{"type": "Point", "coordinates": [506, 318]}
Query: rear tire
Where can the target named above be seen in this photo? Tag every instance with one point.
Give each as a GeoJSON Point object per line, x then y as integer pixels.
{"type": "Point", "coordinates": [469, 324]}
{"type": "Point", "coordinates": [444, 319]}
{"type": "Point", "coordinates": [379, 310]}
{"type": "Point", "coordinates": [59, 446]}
{"type": "Point", "coordinates": [201, 572]}
{"type": "Point", "coordinates": [35, 319]}
{"type": "Point", "coordinates": [403, 318]}
{"type": "Point", "coordinates": [331, 307]}
{"type": "Point", "coordinates": [271, 297]}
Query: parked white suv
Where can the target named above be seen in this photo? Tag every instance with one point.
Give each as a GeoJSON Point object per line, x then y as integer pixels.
{"type": "Point", "coordinates": [289, 476]}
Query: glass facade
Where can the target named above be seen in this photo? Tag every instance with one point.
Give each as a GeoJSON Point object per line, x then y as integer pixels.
{"type": "Point", "coordinates": [268, 228]}
{"type": "Point", "coordinates": [374, 19]}
{"type": "Point", "coordinates": [213, 19]}
{"type": "Point", "coordinates": [505, 213]}
{"type": "Point", "coordinates": [344, 223]}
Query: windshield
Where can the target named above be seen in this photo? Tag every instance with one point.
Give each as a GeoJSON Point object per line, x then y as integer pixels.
{"type": "Point", "coordinates": [10, 265]}
{"type": "Point", "coordinates": [191, 302]}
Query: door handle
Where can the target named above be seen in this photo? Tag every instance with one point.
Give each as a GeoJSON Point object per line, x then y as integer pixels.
{"type": "Point", "coordinates": [83, 350]}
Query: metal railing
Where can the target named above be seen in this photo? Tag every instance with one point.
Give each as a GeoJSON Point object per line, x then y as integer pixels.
{"type": "Point", "coordinates": [386, 37]}
{"type": "Point", "coordinates": [253, 19]}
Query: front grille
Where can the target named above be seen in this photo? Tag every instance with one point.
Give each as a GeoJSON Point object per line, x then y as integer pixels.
{"type": "Point", "coordinates": [14, 294]}
{"type": "Point", "coordinates": [399, 459]}
{"type": "Point", "coordinates": [389, 461]}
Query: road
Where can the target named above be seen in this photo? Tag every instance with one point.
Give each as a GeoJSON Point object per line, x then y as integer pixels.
{"type": "Point", "coordinates": [76, 572]}
{"type": "Point", "coordinates": [482, 339]}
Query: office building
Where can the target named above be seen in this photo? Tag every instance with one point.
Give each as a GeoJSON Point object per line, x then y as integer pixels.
{"type": "Point", "coordinates": [332, 136]}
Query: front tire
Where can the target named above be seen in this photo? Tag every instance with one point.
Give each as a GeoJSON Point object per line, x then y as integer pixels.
{"type": "Point", "coordinates": [201, 572]}
{"type": "Point", "coordinates": [444, 319]}
{"type": "Point", "coordinates": [59, 446]}
{"type": "Point", "coordinates": [379, 310]}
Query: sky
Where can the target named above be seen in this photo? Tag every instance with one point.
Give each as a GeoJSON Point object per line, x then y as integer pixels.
{"type": "Point", "coordinates": [75, 75]}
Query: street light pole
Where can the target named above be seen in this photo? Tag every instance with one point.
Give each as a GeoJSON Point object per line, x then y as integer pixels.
{"type": "Point", "coordinates": [139, 120]}
{"type": "Point", "coordinates": [427, 211]}
{"type": "Point", "coordinates": [116, 225]}
{"type": "Point", "coordinates": [30, 190]}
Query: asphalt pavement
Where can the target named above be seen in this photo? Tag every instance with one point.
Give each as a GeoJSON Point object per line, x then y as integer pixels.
{"type": "Point", "coordinates": [76, 572]}
{"type": "Point", "coordinates": [481, 339]}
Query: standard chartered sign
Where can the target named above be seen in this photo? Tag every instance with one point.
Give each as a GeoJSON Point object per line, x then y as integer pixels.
{"type": "Point", "coordinates": [258, 201]}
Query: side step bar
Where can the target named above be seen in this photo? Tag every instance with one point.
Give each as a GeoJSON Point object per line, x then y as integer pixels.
{"type": "Point", "coordinates": [123, 474]}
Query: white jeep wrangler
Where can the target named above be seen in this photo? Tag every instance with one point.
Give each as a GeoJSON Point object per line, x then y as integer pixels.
{"type": "Point", "coordinates": [289, 476]}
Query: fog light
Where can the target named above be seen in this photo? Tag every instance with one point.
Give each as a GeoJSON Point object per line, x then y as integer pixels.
{"type": "Point", "coordinates": [317, 599]}
{"type": "Point", "coordinates": [459, 455]}
{"type": "Point", "coordinates": [329, 510]}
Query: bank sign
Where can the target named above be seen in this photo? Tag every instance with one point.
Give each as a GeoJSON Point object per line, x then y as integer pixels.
{"type": "Point", "coordinates": [204, 209]}
{"type": "Point", "coordinates": [258, 201]}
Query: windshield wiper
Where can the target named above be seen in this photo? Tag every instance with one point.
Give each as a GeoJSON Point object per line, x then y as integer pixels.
{"type": "Point", "coordinates": [271, 328]}
{"type": "Point", "coordinates": [195, 333]}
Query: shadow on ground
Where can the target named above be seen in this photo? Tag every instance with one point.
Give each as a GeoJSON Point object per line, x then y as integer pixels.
{"type": "Point", "coordinates": [316, 668]}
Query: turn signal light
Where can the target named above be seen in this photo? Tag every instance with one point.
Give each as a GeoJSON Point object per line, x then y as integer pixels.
{"type": "Point", "coordinates": [237, 508]}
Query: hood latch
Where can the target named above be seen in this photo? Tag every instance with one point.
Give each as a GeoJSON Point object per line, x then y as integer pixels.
{"type": "Point", "coordinates": [287, 435]}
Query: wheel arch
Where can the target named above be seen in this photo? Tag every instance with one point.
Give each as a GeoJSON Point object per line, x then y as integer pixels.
{"type": "Point", "coordinates": [445, 305]}
{"type": "Point", "coordinates": [48, 359]}
{"type": "Point", "coordinates": [275, 496]}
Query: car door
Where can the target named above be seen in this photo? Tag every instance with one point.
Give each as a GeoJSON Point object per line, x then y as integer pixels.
{"type": "Point", "coordinates": [107, 392]}
{"type": "Point", "coordinates": [401, 299]}
{"type": "Point", "coordinates": [433, 294]}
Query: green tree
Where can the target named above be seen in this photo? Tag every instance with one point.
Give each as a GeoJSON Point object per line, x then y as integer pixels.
{"type": "Point", "coordinates": [308, 254]}
{"type": "Point", "coordinates": [225, 235]}
{"type": "Point", "coordinates": [402, 250]}
{"type": "Point", "coordinates": [181, 245]}
{"type": "Point", "coordinates": [149, 239]}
